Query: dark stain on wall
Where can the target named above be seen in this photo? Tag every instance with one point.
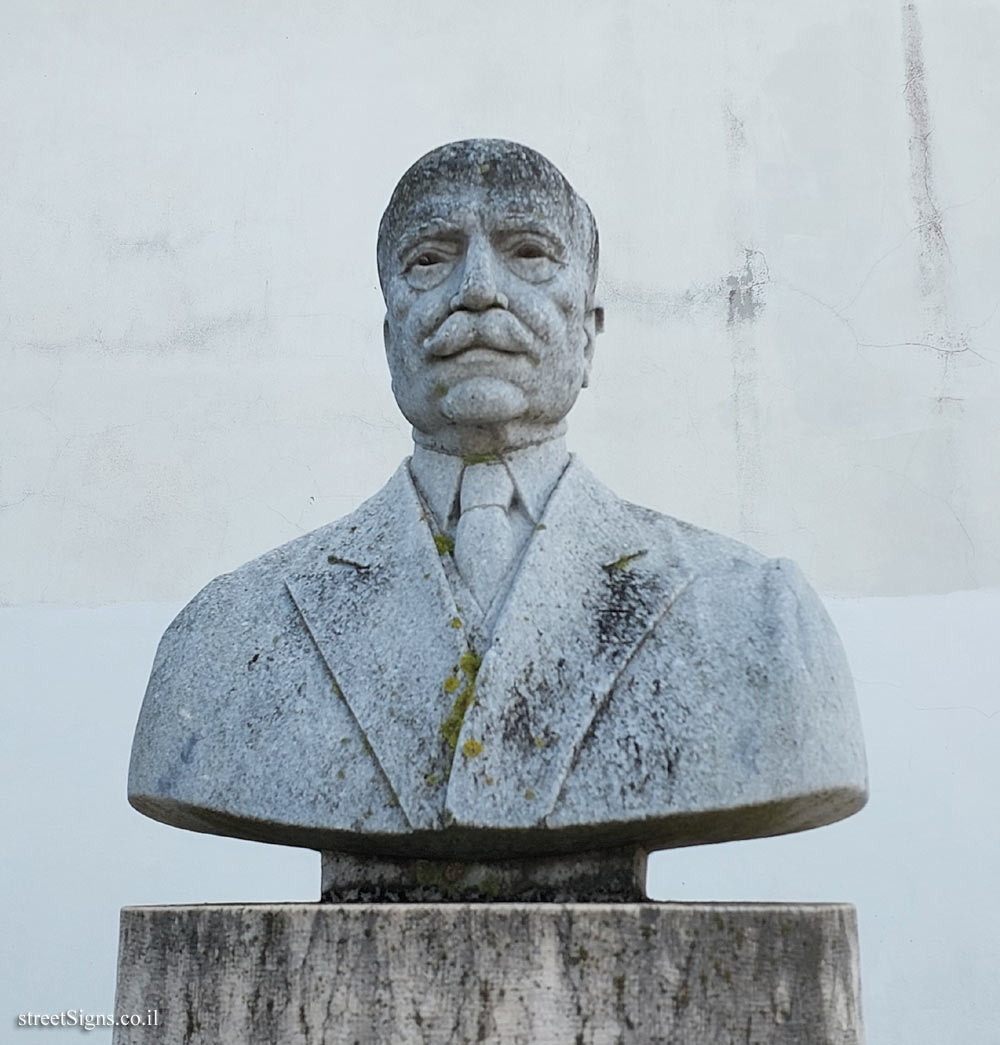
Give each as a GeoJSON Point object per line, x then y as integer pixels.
{"type": "Point", "coordinates": [934, 258]}
{"type": "Point", "coordinates": [745, 300]}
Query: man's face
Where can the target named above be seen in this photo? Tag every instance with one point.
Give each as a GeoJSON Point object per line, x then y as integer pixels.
{"type": "Point", "coordinates": [487, 322]}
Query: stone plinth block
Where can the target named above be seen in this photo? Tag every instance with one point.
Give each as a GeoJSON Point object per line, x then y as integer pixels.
{"type": "Point", "coordinates": [512, 973]}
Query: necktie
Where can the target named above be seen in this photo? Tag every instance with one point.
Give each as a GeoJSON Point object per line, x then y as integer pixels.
{"type": "Point", "coordinates": [483, 537]}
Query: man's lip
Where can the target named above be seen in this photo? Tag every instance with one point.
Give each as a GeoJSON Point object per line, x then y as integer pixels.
{"type": "Point", "coordinates": [453, 353]}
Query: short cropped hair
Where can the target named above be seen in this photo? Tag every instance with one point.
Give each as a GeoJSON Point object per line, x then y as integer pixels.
{"type": "Point", "coordinates": [497, 165]}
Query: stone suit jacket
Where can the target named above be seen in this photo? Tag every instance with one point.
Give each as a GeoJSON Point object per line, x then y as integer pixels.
{"type": "Point", "coordinates": [647, 683]}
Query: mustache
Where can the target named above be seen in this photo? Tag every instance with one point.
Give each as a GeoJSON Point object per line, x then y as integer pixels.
{"type": "Point", "coordinates": [495, 328]}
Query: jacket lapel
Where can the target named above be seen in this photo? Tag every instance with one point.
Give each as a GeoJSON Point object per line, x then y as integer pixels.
{"type": "Point", "coordinates": [382, 615]}
{"type": "Point", "coordinates": [590, 589]}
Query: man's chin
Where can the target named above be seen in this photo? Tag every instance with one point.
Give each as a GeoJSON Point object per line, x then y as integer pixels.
{"type": "Point", "coordinates": [483, 401]}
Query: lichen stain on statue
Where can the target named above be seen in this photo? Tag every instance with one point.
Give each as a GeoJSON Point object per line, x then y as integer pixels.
{"type": "Point", "coordinates": [494, 658]}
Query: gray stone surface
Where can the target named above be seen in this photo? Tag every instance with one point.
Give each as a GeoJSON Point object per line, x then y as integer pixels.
{"type": "Point", "coordinates": [600, 876]}
{"type": "Point", "coordinates": [619, 679]}
{"type": "Point", "coordinates": [698, 974]}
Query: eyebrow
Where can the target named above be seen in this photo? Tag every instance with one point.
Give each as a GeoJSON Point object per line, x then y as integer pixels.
{"type": "Point", "coordinates": [527, 223]}
{"type": "Point", "coordinates": [433, 227]}
{"type": "Point", "coordinates": [442, 228]}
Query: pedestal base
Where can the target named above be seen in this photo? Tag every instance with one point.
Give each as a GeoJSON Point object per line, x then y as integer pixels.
{"type": "Point", "coordinates": [315, 974]}
{"type": "Point", "coordinates": [604, 876]}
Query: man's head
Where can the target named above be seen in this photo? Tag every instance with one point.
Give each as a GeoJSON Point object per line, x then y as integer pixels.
{"type": "Point", "coordinates": [488, 264]}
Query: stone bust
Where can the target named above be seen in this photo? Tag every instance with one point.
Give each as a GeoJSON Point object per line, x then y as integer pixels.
{"type": "Point", "coordinates": [495, 657]}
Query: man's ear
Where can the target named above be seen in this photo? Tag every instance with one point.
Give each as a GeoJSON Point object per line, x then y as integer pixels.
{"type": "Point", "coordinates": [593, 324]}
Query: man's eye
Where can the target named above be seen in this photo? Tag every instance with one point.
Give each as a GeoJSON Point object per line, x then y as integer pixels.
{"type": "Point", "coordinates": [532, 258]}
{"type": "Point", "coordinates": [426, 267]}
{"type": "Point", "coordinates": [426, 258]}
{"type": "Point", "coordinates": [529, 250]}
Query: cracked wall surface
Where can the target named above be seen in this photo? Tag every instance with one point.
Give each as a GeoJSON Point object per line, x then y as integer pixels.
{"type": "Point", "coordinates": [798, 212]}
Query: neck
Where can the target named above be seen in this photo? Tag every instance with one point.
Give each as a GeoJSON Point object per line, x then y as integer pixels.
{"type": "Point", "coordinates": [492, 440]}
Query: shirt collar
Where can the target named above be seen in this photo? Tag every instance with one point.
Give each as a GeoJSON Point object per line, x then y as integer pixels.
{"type": "Point", "coordinates": [535, 470]}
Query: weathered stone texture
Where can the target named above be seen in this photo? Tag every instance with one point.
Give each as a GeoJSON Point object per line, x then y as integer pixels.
{"type": "Point", "coordinates": [315, 974]}
{"type": "Point", "coordinates": [601, 876]}
{"type": "Point", "coordinates": [496, 657]}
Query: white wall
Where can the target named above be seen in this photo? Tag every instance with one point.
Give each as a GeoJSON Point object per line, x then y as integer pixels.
{"type": "Point", "coordinates": [192, 373]}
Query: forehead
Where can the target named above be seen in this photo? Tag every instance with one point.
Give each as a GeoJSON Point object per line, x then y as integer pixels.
{"type": "Point", "coordinates": [464, 206]}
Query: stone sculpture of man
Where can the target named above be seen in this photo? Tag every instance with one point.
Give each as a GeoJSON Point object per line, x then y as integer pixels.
{"type": "Point", "coordinates": [494, 656]}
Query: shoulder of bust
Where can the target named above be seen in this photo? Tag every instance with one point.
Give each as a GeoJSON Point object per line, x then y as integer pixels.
{"type": "Point", "coordinates": [683, 543]}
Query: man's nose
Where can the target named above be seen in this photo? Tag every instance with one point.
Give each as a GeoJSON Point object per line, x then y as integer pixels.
{"type": "Point", "coordinates": [478, 290]}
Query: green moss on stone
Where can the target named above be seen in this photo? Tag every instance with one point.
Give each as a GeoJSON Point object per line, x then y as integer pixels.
{"type": "Point", "coordinates": [624, 562]}
{"type": "Point", "coordinates": [471, 748]}
{"type": "Point", "coordinates": [469, 664]}
{"type": "Point", "coordinates": [444, 544]}
{"type": "Point", "coordinates": [428, 874]}
{"type": "Point", "coordinates": [490, 886]}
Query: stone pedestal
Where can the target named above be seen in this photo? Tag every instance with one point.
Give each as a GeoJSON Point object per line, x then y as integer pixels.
{"type": "Point", "coordinates": [601, 876]}
{"type": "Point", "coordinates": [306, 974]}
